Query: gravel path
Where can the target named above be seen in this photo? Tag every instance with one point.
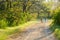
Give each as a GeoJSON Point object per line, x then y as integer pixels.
{"type": "Point", "coordinates": [38, 31]}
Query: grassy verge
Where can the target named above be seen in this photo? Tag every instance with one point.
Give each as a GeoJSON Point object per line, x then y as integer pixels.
{"type": "Point", "coordinates": [56, 30]}
{"type": "Point", "coordinates": [4, 33]}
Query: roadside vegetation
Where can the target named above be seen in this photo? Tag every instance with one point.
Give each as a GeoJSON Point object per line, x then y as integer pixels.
{"type": "Point", "coordinates": [55, 26]}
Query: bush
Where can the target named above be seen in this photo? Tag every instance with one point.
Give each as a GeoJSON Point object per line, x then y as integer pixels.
{"type": "Point", "coordinates": [57, 17]}
{"type": "Point", "coordinates": [3, 24]}
{"type": "Point", "coordinates": [15, 18]}
{"type": "Point", "coordinates": [57, 34]}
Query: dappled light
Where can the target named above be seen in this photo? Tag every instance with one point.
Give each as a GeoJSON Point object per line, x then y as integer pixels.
{"type": "Point", "coordinates": [29, 19]}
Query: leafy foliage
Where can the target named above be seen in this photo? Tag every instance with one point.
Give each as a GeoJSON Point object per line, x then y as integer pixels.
{"type": "Point", "coordinates": [3, 24]}
{"type": "Point", "coordinates": [13, 13]}
{"type": "Point", "coordinates": [57, 16]}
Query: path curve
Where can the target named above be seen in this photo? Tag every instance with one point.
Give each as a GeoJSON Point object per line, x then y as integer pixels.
{"type": "Point", "coordinates": [38, 31]}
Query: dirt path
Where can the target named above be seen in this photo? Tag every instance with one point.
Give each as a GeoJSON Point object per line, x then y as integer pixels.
{"type": "Point", "coordinates": [38, 31]}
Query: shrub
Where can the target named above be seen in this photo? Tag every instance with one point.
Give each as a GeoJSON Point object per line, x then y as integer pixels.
{"type": "Point", "coordinates": [57, 17]}
{"type": "Point", "coordinates": [57, 34]}
{"type": "Point", "coordinates": [15, 17]}
{"type": "Point", "coordinates": [3, 24]}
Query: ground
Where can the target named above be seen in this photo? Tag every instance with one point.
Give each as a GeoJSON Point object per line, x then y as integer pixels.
{"type": "Point", "coordinates": [37, 31]}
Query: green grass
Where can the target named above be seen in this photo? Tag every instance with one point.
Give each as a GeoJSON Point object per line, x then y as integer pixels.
{"type": "Point", "coordinates": [56, 30]}
{"type": "Point", "coordinates": [4, 33]}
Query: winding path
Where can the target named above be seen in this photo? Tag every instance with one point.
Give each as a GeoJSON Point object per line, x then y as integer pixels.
{"type": "Point", "coordinates": [37, 31]}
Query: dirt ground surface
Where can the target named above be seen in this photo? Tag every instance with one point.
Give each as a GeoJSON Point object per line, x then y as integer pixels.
{"type": "Point", "coordinates": [37, 31]}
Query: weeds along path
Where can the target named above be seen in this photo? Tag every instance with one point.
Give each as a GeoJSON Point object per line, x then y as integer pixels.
{"type": "Point", "coordinates": [37, 31]}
